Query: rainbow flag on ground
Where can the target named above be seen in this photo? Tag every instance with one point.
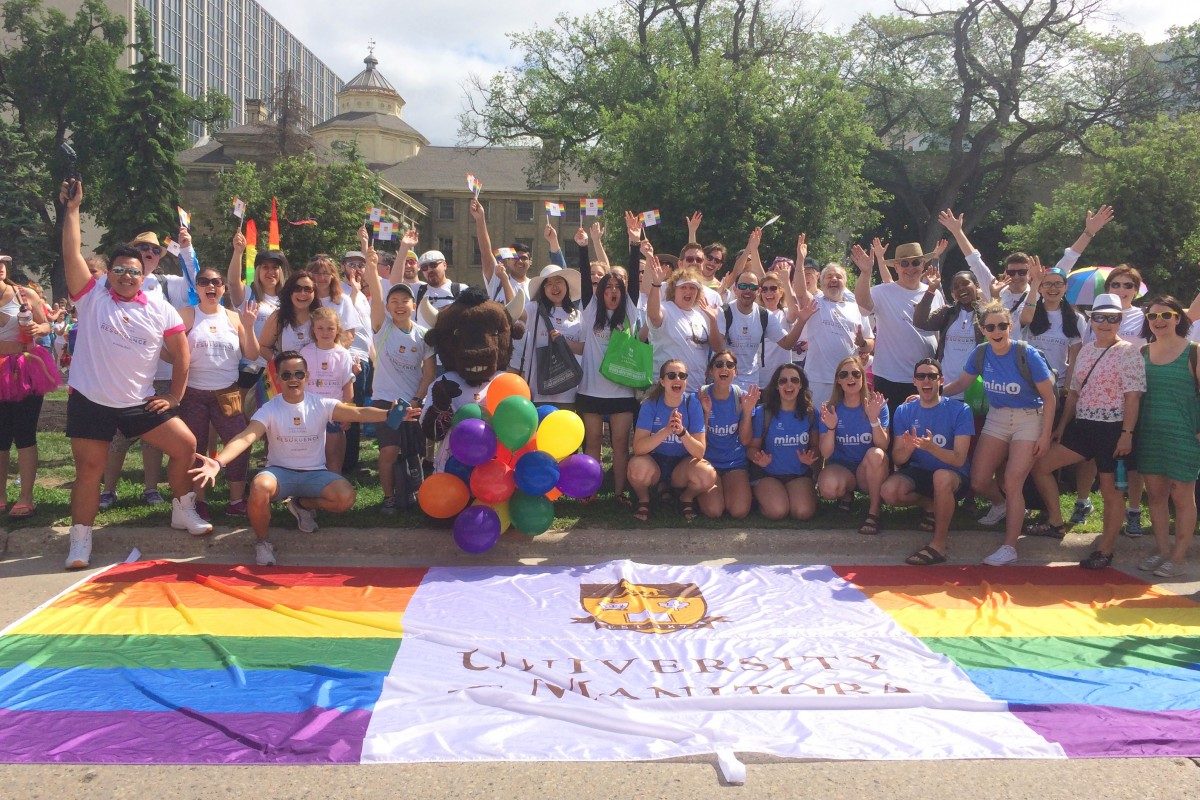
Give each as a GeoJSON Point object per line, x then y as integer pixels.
{"type": "Point", "coordinates": [161, 662]}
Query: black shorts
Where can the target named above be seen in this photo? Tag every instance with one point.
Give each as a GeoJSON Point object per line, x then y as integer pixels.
{"type": "Point", "coordinates": [88, 420]}
{"type": "Point", "coordinates": [895, 393]}
{"type": "Point", "coordinates": [922, 480]}
{"type": "Point", "coordinates": [19, 422]}
{"type": "Point", "coordinates": [1096, 440]}
{"type": "Point", "coordinates": [605, 406]}
{"type": "Point", "coordinates": [408, 437]}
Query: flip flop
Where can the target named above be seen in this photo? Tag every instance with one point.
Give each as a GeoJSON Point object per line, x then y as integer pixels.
{"type": "Point", "coordinates": [642, 512]}
{"type": "Point", "coordinates": [928, 521]}
{"type": "Point", "coordinates": [925, 557]}
{"type": "Point", "coordinates": [22, 511]}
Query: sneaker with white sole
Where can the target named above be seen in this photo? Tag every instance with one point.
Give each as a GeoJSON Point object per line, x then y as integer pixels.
{"type": "Point", "coordinates": [264, 553]}
{"type": "Point", "coordinates": [1005, 554]}
{"type": "Point", "coordinates": [107, 499]}
{"type": "Point", "coordinates": [995, 515]}
{"type": "Point", "coordinates": [1133, 523]}
{"type": "Point", "coordinates": [1151, 563]}
{"type": "Point", "coordinates": [184, 516]}
{"type": "Point", "coordinates": [306, 520]}
{"type": "Point", "coordinates": [81, 547]}
{"type": "Point", "coordinates": [1166, 569]}
{"type": "Point", "coordinates": [1081, 512]}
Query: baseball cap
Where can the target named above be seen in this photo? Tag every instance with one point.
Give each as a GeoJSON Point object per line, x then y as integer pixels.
{"type": "Point", "coordinates": [430, 257]}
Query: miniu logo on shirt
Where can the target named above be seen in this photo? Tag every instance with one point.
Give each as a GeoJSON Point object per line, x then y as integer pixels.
{"type": "Point", "coordinates": [1012, 387]}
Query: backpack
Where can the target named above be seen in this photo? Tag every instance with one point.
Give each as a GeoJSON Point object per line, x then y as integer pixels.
{"type": "Point", "coordinates": [455, 288]}
{"type": "Point", "coordinates": [1023, 349]}
{"type": "Point", "coordinates": [762, 323]}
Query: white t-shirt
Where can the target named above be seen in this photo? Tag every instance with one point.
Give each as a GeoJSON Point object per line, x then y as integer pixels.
{"type": "Point", "coordinates": [595, 345]}
{"type": "Point", "coordinates": [1132, 321]}
{"type": "Point", "coordinates": [352, 321]}
{"type": "Point", "coordinates": [830, 336]}
{"type": "Point", "coordinates": [399, 357]}
{"type": "Point", "coordinates": [296, 431]}
{"type": "Point", "coordinates": [683, 335]}
{"type": "Point", "coordinates": [536, 335]}
{"type": "Point", "coordinates": [1194, 331]}
{"type": "Point", "coordinates": [173, 289]}
{"type": "Point", "coordinates": [215, 351]}
{"type": "Point", "coordinates": [745, 337]}
{"type": "Point", "coordinates": [1054, 342]}
{"type": "Point", "coordinates": [267, 306]}
{"type": "Point", "coordinates": [496, 291]}
{"type": "Point", "coordinates": [466, 392]}
{"type": "Point", "coordinates": [328, 370]}
{"type": "Point", "coordinates": [958, 345]}
{"type": "Point", "coordinates": [439, 297]}
{"type": "Point", "coordinates": [898, 343]}
{"type": "Point", "coordinates": [776, 355]}
{"type": "Point", "coordinates": [118, 344]}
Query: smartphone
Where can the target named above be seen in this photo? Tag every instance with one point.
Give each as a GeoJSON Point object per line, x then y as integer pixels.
{"type": "Point", "coordinates": [72, 169]}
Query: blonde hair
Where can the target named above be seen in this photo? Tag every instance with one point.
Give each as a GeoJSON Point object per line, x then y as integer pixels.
{"type": "Point", "coordinates": [681, 275]}
{"type": "Point", "coordinates": [335, 276]}
{"type": "Point", "coordinates": [993, 307]}
{"type": "Point", "coordinates": [324, 313]}
{"type": "Point", "coordinates": [838, 395]}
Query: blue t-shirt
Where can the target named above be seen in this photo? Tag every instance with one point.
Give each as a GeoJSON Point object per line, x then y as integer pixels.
{"type": "Point", "coordinates": [723, 448]}
{"type": "Point", "coordinates": [784, 442]}
{"type": "Point", "coordinates": [854, 436]}
{"type": "Point", "coordinates": [1002, 379]}
{"type": "Point", "coordinates": [947, 420]}
{"type": "Point", "coordinates": [654, 415]}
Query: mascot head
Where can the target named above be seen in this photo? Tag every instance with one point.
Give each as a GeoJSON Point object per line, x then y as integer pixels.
{"type": "Point", "coordinates": [473, 337]}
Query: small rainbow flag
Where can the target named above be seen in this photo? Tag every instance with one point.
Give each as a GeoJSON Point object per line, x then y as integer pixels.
{"type": "Point", "coordinates": [652, 217]}
{"type": "Point", "coordinates": [592, 206]}
{"type": "Point", "coordinates": [474, 185]}
{"type": "Point", "coordinates": [554, 209]}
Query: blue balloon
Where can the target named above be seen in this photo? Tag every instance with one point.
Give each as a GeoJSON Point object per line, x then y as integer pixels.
{"type": "Point", "coordinates": [545, 411]}
{"type": "Point", "coordinates": [459, 469]}
{"type": "Point", "coordinates": [536, 473]}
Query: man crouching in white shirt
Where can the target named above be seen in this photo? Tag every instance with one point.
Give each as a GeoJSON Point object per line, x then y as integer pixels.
{"type": "Point", "coordinates": [294, 426]}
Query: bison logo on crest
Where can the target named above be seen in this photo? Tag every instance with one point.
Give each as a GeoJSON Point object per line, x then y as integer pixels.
{"type": "Point", "coordinates": [646, 608]}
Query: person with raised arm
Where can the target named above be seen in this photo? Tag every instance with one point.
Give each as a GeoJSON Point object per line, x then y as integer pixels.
{"type": "Point", "coordinates": [122, 334]}
{"type": "Point", "coordinates": [853, 426]}
{"type": "Point", "coordinates": [270, 271]}
{"type": "Point", "coordinates": [512, 279]}
{"type": "Point", "coordinates": [728, 415]}
{"type": "Point", "coordinates": [955, 325]}
{"type": "Point", "coordinates": [682, 327]}
{"type": "Point", "coordinates": [783, 447]}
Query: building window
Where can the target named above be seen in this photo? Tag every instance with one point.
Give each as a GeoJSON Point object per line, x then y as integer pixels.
{"type": "Point", "coordinates": [446, 209]}
{"type": "Point", "coordinates": [570, 212]}
{"type": "Point", "coordinates": [476, 255]}
{"type": "Point", "coordinates": [446, 245]}
{"type": "Point", "coordinates": [524, 211]}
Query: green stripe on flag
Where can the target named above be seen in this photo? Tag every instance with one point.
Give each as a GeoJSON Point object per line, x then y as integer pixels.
{"type": "Point", "coordinates": [1060, 652]}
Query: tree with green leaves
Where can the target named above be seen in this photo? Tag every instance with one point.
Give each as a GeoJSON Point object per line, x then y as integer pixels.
{"type": "Point", "coordinates": [1148, 174]}
{"type": "Point", "coordinates": [22, 221]}
{"type": "Point", "coordinates": [148, 130]}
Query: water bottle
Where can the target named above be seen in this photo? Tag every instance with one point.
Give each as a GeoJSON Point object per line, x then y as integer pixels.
{"type": "Point", "coordinates": [24, 318]}
{"type": "Point", "coordinates": [1122, 479]}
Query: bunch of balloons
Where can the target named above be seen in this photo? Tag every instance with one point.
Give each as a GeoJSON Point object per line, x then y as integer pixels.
{"type": "Point", "coordinates": [515, 459]}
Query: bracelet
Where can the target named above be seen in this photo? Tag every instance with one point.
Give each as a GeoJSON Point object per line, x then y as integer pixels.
{"type": "Point", "coordinates": [1085, 233]}
{"type": "Point", "coordinates": [656, 285]}
{"type": "Point", "coordinates": [1123, 431]}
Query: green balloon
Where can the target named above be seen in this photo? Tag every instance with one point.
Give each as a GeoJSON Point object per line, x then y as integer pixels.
{"type": "Point", "coordinates": [530, 515]}
{"type": "Point", "coordinates": [515, 420]}
{"type": "Point", "coordinates": [469, 411]}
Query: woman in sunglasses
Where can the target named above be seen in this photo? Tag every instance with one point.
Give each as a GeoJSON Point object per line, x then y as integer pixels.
{"type": "Point", "coordinates": [728, 410]}
{"type": "Point", "coordinates": [668, 445]}
{"type": "Point", "coordinates": [218, 339]}
{"type": "Point", "coordinates": [853, 427]}
{"type": "Point", "coordinates": [782, 449]}
{"type": "Point", "coordinates": [1098, 422]}
{"type": "Point", "coordinates": [1168, 433]}
{"type": "Point", "coordinates": [1021, 400]}
{"type": "Point", "coordinates": [270, 271]}
{"type": "Point", "coordinates": [682, 326]}
{"type": "Point", "coordinates": [958, 334]}
{"type": "Point", "coordinates": [290, 327]}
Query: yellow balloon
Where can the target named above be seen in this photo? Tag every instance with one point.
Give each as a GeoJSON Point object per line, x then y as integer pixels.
{"type": "Point", "coordinates": [560, 434]}
{"type": "Point", "coordinates": [501, 510]}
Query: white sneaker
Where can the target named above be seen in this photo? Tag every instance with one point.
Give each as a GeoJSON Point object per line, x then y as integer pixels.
{"type": "Point", "coordinates": [1151, 563]}
{"type": "Point", "coordinates": [185, 518]}
{"type": "Point", "coordinates": [1005, 554]}
{"type": "Point", "coordinates": [1166, 569]}
{"type": "Point", "coordinates": [264, 553]}
{"type": "Point", "coordinates": [81, 547]}
{"type": "Point", "coordinates": [306, 520]}
{"type": "Point", "coordinates": [995, 515]}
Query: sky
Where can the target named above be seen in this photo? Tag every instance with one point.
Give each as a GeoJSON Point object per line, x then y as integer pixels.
{"type": "Point", "coordinates": [428, 49]}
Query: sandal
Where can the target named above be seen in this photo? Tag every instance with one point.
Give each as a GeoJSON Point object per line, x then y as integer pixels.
{"type": "Point", "coordinates": [870, 526]}
{"type": "Point", "coordinates": [925, 557]}
{"type": "Point", "coordinates": [1097, 560]}
{"type": "Point", "coordinates": [624, 500]}
{"type": "Point", "coordinates": [642, 512]}
{"type": "Point", "coordinates": [687, 510]}
{"type": "Point", "coordinates": [1046, 529]}
{"type": "Point", "coordinates": [927, 522]}
{"type": "Point", "coordinates": [844, 504]}
{"type": "Point", "coordinates": [22, 511]}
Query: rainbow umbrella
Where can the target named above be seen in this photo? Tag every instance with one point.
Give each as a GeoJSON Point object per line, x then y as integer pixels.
{"type": "Point", "coordinates": [1085, 283]}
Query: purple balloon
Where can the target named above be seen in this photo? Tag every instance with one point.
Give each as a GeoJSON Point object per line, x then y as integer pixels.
{"type": "Point", "coordinates": [477, 529]}
{"type": "Point", "coordinates": [580, 476]}
{"type": "Point", "coordinates": [472, 441]}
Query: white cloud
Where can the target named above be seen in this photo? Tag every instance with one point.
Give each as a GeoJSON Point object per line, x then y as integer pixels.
{"type": "Point", "coordinates": [428, 49]}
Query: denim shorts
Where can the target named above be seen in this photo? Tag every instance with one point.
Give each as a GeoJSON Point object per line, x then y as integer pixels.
{"type": "Point", "coordinates": [301, 482]}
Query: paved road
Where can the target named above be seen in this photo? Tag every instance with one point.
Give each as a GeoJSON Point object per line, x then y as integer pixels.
{"type": "Point", "coordinates": [30, 577]}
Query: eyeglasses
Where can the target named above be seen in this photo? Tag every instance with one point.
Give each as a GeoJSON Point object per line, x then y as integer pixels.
{"type": "Point", "coordinates": [297, 375]}
{"type": "Point", "coordinates": [849, 373]}
{"type": "Point", "coordinates": [1016, 273]}
{"type": "Point", "coordinates": [911, 262]}
{"type": "Point", "coordinates": [992, 326]}
{"type": "Point", "coordinates": [430, 265]}
{"type": "Point", "coordinates": [1163, 315]}
{"type": "Point", "coordinates": [119, 271]}
{"type": "Point", "coordinates": [693, 260]}
{"type": "Point", "coordinates": [794, 379]}
{"type": "Point", "coordinates": [724, 365]}
{"type": "Point", "coordinates": [926, 376]}
{"type": "Point", "coordinates": [748, 287]}
{"type": "Point", "coordinates": [1053, 285]}
{"type": "Point", "coordinates": [150, 248]}
{"type": "Point", "coordinates": [1122, 285]}
{"type": "Point", "coordinates": [675, 376]}
{"type": "Point", "coordinates": [523, 256]}
{"type": "Point", "coordinates": [1108, 319]}
{"type": "Point", "coordinates": [304, 290]}
{"type": "Point", "coordinates": [769, 289]}
{"type": "Point", "coordinates": [210, 282]}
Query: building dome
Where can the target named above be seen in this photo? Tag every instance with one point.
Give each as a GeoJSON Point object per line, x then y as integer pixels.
{"type": "Point", "coordinates": [370, 79]}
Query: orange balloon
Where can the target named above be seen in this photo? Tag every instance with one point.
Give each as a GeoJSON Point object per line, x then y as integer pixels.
{"type": "Point", "coordinates": [443, 495]}
{"type": "Point", "coordinates": [553, 495]}
{"type": "Point", "coordinates": [502, 386]}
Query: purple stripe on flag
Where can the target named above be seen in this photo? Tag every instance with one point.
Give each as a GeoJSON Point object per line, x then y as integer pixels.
{"type": "Point", "coordinates": [319, 735]}
{"type": "Point", "coordinates": [1106, 732]}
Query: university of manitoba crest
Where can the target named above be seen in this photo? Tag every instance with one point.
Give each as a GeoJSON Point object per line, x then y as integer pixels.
{"type": "Point", "coordinates": [645, 607]}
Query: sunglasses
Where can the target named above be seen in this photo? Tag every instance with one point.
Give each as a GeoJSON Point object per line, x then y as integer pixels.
{"type": "Point", "coordinates": [299, 375]}
{"type": "Point", "coordinates": [430, 265]}
{"type": "Point", "coordinates": [849, 373]}
{"type": "Point", "coordinates": [304, 290]}
{"type": "Point", "coordinates": [1122, 285]}
{"type": "Point", "coordinates": [724, 365]}
{"type": "Point", "coordinates": [993, 326]}
{"type": "Point", "coordinates": [693, 260]}
{"type": "Point", "coordinates": [410, 261]}
{"type": "Point", "coordinates": [911, 262]}
{"type": "Point", "coordinates": [714, 259]}
{"type": "Point", "coordinates": [1016, 273]}
{"type": "Point", "coordinates": [748, 287]}
{"type": "Point", "coordinates": [1163, 315]}
{"type": "Point", "coordinates": [785, 381]}
{"type": "Point", "coordinates": [926, 376]}
{"type": "Point", "coordinates": [119, 271]}
{"type": "Point", "coordinates": [210, 282]}
{"type": "Point", "coordinates": [675, 376]}
{"type": "Point", "coordinates": [150, 248]}
{"type": "Point", "coordinates": [1109, 319]}
{"type": "Point", "coordinates": [769, 289]}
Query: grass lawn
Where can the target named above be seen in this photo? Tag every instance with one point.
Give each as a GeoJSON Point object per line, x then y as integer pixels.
{"type": "Point", "coordinates": [57, 471]}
